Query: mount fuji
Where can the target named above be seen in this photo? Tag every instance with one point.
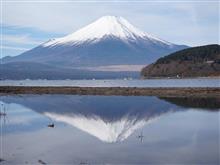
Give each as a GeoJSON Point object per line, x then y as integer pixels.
{"type": "Point", "coordinates": [108, 41]}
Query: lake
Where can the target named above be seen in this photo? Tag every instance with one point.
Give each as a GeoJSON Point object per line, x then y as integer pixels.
{"type": "Point", "coordinates": [198, 82]}
{"type": "Point", "coordinates": [109, 130]}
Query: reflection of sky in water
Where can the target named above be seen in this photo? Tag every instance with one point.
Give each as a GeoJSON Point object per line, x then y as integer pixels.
{"type": "Point", "coordinates": [21, 119]}
{"type": "Point", "coordinates": [175, 135]}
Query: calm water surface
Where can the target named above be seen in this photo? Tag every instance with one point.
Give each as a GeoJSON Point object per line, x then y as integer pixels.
{"type": "Point", "coordinates": [109, 130]}
{"type": "Point", "coordinates": [199, 82]}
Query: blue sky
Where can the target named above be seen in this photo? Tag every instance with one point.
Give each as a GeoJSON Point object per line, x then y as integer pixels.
{"type": "Point", "coordinates": [26, 24]}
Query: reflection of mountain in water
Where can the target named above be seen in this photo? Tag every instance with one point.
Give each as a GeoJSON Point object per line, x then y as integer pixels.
{"type": "Point", "coordinates": [109, 118]}
{"type": "Point", "coordinates": [96, 126]}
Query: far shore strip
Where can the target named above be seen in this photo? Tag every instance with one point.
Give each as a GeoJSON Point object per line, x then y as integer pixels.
{"type": "Point", "coordinates": [124, 91]}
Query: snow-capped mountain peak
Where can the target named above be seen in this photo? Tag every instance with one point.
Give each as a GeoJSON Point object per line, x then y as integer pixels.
{"type": "Point", "coordinates": [108, 25]}
{"type": "Point", "coordinates": [108, 41]}
{"type": "Point", "coordinates": [105, 26]}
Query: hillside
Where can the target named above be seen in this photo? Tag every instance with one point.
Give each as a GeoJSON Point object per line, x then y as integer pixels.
{"type": "Point", "coordinates": [202, 61]}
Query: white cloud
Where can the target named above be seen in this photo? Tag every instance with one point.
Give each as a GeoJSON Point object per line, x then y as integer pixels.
{"type": "Point", "coordinates": [20, 39]}
{"type": "Point", "coordinates": [52, 17]}
{"type": "Point", "coordinates": [14, 48]}
{"type": "Point", "coordinates": [182, 22]}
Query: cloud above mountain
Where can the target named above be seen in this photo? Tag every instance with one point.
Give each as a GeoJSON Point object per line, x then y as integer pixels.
{"type": "Point", "coordinates": [158, 18]}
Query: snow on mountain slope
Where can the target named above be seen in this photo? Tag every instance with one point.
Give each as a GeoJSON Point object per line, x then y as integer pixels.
{"type": "Point", "coordinates": [107, 25]}
{"type": "Point", "coordinates": [108, 41]}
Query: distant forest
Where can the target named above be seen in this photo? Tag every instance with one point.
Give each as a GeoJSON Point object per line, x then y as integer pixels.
{"type": "Point", "coordinates": [201, 61]}
{"type": "Point", "coordinates": [196, 54]}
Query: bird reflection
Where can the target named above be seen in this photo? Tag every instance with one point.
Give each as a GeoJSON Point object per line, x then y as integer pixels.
{"type": "Point", "coordinates": [141, 136]}
{"type": "Point", "coordinates": [51, 124]}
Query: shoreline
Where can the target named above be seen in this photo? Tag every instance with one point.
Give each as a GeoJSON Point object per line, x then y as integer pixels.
{"type": "Point", "coordinates": [108, 91]}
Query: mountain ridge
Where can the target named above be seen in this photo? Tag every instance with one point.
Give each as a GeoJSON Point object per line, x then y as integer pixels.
{"type": "Point", "coordinates": [108, 41]}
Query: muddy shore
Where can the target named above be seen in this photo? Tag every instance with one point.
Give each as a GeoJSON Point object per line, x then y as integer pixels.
{"type": "Point", "coordinates": [124, 91]}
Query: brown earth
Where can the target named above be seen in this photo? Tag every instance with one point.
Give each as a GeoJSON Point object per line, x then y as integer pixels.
{"type": "Point", "coordinates": [125, 91]}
